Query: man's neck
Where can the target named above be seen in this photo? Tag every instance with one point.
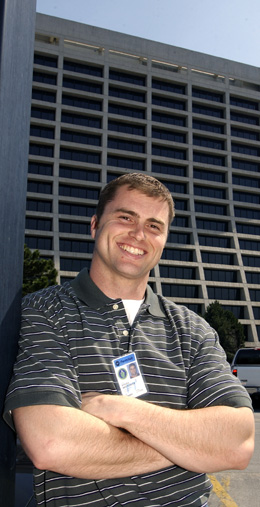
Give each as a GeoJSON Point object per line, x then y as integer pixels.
{"type": "Point", "coordinates": [119, 287]}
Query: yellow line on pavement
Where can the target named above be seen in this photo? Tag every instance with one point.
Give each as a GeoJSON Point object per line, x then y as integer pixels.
{"type": "Point", "coordinates": [222, 494]}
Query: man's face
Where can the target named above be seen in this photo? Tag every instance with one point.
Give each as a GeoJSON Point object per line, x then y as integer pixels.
{"type": "Point", "coordinates": [130, 236]}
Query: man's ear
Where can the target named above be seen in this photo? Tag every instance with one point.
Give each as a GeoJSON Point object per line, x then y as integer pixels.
{"type": "Point", "coordinates": [93, 226]}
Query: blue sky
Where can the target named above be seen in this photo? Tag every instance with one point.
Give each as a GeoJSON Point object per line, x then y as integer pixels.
{"type": "Point", "coordinates": [226, 28]}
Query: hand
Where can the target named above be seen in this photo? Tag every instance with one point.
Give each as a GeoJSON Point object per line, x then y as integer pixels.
{"type": "Point", "coordinates": [109, 408]}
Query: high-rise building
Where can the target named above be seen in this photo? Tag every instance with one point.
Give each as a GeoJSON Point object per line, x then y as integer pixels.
{"type": "Point", "coordinates": [106, 103]}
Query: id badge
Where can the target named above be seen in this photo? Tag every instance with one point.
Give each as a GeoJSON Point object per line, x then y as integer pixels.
{"type": "Point", "coordinates": [129, 376]}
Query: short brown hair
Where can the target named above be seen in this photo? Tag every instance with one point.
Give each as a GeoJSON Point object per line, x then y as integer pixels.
{"type": "Point", "coordinates": [144, 183]}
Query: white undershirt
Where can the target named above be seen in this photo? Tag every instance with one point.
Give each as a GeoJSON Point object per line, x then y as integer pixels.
{"type": "Point", "coordinates": [131, 307]}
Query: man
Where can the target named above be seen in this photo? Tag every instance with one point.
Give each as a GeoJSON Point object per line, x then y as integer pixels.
{"type": "Point", "coordinates": [95, 437]}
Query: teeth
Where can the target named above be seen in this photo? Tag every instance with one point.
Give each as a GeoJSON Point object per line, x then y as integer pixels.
{"type": "Point", "coordinates": [132, 250]}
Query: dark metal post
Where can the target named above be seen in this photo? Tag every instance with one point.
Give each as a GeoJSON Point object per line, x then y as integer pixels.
{"type": "Point", "coordinates": [17, 28]}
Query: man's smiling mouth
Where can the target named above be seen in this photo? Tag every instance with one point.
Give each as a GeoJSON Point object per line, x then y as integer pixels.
{"type": "Point", "coordinates": [131, 249]}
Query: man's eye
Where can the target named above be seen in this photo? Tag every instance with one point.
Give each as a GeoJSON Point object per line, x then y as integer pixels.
{"type": "Point", "coordinates": [124, 217]}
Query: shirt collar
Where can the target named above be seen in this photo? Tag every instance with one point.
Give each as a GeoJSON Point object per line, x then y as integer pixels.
{"type": "Point", "coordinates": [88, 292]}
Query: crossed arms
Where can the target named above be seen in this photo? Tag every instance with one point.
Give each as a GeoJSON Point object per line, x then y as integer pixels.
{"type": "Point", "coordinates": [117, 436]}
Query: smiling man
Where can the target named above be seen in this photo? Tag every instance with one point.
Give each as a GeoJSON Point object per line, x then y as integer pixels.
{"type": "Point", "coordinates": [97, 435]}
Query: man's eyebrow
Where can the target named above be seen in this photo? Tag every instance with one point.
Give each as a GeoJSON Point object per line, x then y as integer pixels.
{"type": "Point", "coordinates": [134, 214]}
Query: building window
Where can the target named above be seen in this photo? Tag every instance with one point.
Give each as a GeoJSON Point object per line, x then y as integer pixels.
{"type": "Point", "coordinates": [82, 68]}
{"type": "Point", "coordinates": [181, 204]}
{"type": "Point", "coordinates": [78, 137]}
{"type": "Point", "coordinates": [176, 290]}
{"type": "Point", "coordinates": [126, 163]}
{"type": "Point", "coordinates": [124, 77]}
{"type": "Point", "coordinates": [48, 61]}
{"type": "Point", "coordinates": [169, 119]}
{"type": "Point", "coordinates": [121, 144]}
{"type": "Point", "coordinates": [126, 111]}
{"type": "Point", "coordinates": [218, 275]}
{"type": "Point", "coordinates": [224, 293]}
{"type": "Point", "coordinates": [181, 221]}
{"type": "Point", "coordinates": [214, 193]}
{"type": "Point", "coordinates": [157, 100]}
{"type": "Point", "coordinates": [43, 95]}
{"type": "Point", "coordinates": [74, 227]}
{"type": "Point", "coordinates": [241, 102]}
{"type": "Point", "coordinates": [208, 175]}
{"type": "Point", "coordinates": [245, 150]}
{"type": "Point", "coordinates": [215, 241]}
{"type": "Point", "coordinates": [79, 192]}
{"type": "Point", "coordinates": [85, 86]}
{"type": "Point", "coordinates": [247, 213]}
{"type": "Point", "coordinates": [251, 260]}
{"type": "Point", "coordinates": [204, 158]}
{"type": "Point", "coordinates": [246, 197]}
{"type": "Point", "coordinates": [126, 128]}
{"type": "Point", "coordinates": [168, 135]}
{"type": "Point", "coordinates": [254, 294]}
{"type": "Point", "coordinates": [78, 174]}
{"type": "Point", "coordinates": [70, 100]}
{"type": "Point", "coordinates": [174, 254]}
{"type": "Point", "coordinates": [249, 244]}
{"type": "Point", "coordinates": [41, 77]}
{"type": "Point", "coordinates": [39, 187]}
{"type": "Point", "coordinates": [245, 134]}
{"type": "Point", "coordinates": [174, 170]}
{"type": "Point", "coordinates": [178, 237]}
{"type": "Point", "coordinates": [176, 272]}
{"type": "Point", "coordinates": [76, 210]}
{"type": "Point", "coordinates": [80, 156]}
{"type": "Point", "coordinates": [72, 264]}
{"type": "Point", "coordinates": [41, 131]}
{"type": "Point", "coordinates": [210, 209]}
{"type": "Point", "coordinates": [168, 86]}
{"type": "Point", "coordinates": [122, 93]}
{"type": "Point", "coordinates": [246, 182]}
{"type": "Point", "coordinates": [207, 95]}
{"type": "Point", "coordinates": [163, 151]}
{"type": "Point", "coordinates": [212, 225]}
{"type": "Point", "coordinates": [243, 118]}
{"type": "Point", "coordinates": [43, 113]}
{"type": "Point", "coordinates": [79, 119]}
{"type": "Point", "coordinates": [238, 311]}
{"type": "Point", "coordinates": [39, 224]}
{"type": "Point", "coordinates": [42, 206]}
{"type": "Point", "coordinates": [253, 277]}
{"type": "Point", "coordinates": [38, 243]}
{"type": "Point", "coordinates": [67, 245]}
{"type": "Point", "coordinates": [42, 150]}
{"type": "Point", "coordinates": [38, 168]}
{"type": "Point", "coordinates": [256, 310]}
{"type": "Point", "coordinates": [245, 166]}
{"type": "Point", "coordinates": [208, 143]}
{"type": "Point", "coordinates": [209, 111]}
{"type": "Point", "coordinates": [209, 127]}
{"type": "Point", "coordinates": [217, 258]}
{"type": "Point", "coordinates": [248, 229]}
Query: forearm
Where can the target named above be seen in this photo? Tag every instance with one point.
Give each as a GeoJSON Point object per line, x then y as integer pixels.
{"type": "Point", "coordinates": [71, 442]}
{"type": "Point", "coordinates": [204, 440]}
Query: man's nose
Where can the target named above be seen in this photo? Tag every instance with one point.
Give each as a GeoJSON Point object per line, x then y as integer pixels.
{"type": "Point", "coordinates": [138, 232]}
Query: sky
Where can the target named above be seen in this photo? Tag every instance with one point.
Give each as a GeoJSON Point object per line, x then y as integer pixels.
{"type": "Point", "coordinates": [225, 28]}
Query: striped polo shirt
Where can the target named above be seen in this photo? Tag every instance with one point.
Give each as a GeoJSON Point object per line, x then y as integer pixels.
{"type": "Point", "coordinates": [69, 336]}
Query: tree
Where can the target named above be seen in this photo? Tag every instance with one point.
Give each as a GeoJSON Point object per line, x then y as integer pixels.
{"type": "Point", "coordinates": [230, 330]}
{"type": "Point", "coordinates": [38, 273]}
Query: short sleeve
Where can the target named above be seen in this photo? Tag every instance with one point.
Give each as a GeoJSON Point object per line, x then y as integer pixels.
{"type": "Point", "coordinates": [211, 381]}
{"type": "Point", "coordinates": [44, 371]}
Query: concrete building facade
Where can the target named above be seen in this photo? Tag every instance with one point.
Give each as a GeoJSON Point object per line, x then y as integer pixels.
{"type": "Point", "coordinates": [106, 103]}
